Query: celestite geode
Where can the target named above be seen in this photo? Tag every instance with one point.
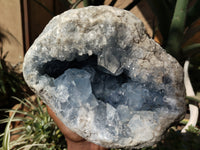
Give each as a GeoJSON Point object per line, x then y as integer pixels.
{"type": "Point", "coordinates": [105, 78]}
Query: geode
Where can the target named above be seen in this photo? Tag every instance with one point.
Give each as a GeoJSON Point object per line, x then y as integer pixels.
{"type": "Point", "coordinates": [98, 70]}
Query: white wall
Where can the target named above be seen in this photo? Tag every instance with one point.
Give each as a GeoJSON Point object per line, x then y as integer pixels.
{"type": "Point", "coordinates": [10, 23]}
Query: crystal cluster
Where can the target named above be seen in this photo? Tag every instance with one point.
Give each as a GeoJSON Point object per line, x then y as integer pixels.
{"type": "Point", "coordinates": [107, 81]}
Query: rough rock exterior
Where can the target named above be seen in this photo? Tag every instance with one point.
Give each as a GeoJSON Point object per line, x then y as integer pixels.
{"type": "Point", "coordinates": [105, 78]}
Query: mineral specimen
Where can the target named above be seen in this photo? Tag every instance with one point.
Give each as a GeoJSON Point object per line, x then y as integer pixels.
{"type": "Point", "coordinates": [105, 78]}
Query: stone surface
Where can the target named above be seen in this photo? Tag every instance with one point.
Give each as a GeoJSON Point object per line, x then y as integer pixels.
{"type": "Point", "coordinates": [105, 78]}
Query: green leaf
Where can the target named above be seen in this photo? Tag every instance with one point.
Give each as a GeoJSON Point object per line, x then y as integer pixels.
{"type": "Point", "coordinates": [66, 3]}
{"type": "Point", "coordinates": [163, 14]}
{"type": "Point", "coordinates": [13, 89]}
{"type": "Point", "coordinates": [6, 138]}
{"type": "Point", "coordinates": [192, 49]}
{"type": "Point", "coordinates": [22, 112]}
{"type": "Point", "coordinates": [2, 121]}
{"type": "Point", "coordinates": [190, 32]}
{"type": "Point", "coordinates": [86, 3]}
{"type": "Point", "coordinates": [3, 89]}
{"type": "Point", "coordinates": [40, 110]}
{"type": "Point", "coordinates": [193, 129]}
{"type": "Point", "coordinates": [22, 101]}
{"type": "Point", "coordinates": [112, 3]}
{"type": "Point", "coordinates": [177, 28]}
{"type": "Point", "coordinates": [76, 4]}
{"type": "Point", "coordinates": [132, 4]}
{"type": "Point", "coordinates": [5, 55]}
{"type": "Point", "coordinates": [29, 146]}
{"type": "Point", "coordinates": [184, 121]}
{"type": "Point", "coordinates": [43, 6]}
{"type": "Point", "coordinates": [32, 105]}
{"type": "Point", "coordinates": [193, 98]}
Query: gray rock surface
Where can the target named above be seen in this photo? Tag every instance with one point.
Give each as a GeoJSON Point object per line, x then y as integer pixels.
{"type": "Point", "coordinates": [105, 78]}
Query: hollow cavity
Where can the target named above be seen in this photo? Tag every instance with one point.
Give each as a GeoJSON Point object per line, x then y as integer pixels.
{"type": "Point", "coordinates": [87, 79]}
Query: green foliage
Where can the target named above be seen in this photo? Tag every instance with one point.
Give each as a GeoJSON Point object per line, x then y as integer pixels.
{"type": "Point", "coordinates": [193, 98]}
{"type": "Point", "coordinates": [177, 28]}
{"type": "Point", "coordinates": [174, 22]}
{"type": "Point", "coordinates": [36, 130]}
{"type": "Point", "coordinates": [164, 12]}
{"type": "Point", "coordinates": [194, 130]}
{"type": "Point", "coordinates": [6, 137]}
{"type": "Point", "coordinates": [11, 82]}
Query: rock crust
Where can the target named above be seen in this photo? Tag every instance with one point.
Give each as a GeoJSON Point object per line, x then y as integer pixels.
{"type": "Point", "coordinates": [105, 78]}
